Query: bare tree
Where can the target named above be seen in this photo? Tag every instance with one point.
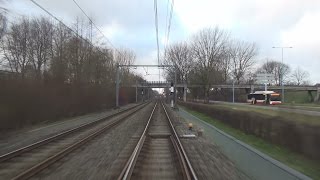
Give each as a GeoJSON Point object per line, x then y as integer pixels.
{"type": "Point", "coordinates": [125, 57]}
{"type": "Point", "coordinates": [281, 72]}
{"type": "Point", "coordinates": [269, 66]}
{"type": "Point", "coordinates": [226, 65]}
{"type": "Point", "coordinates": [77, 54]}
{"type": "Point", "coordinates": [3, 24]}
{"type": "Point", "coordinates": [208, 51]}
{"type": "Point", "coordinates": [299, 76]}
{"type": "Point", "coordinates": [180, 56]}
{"type": "Point", "coordinates": [59, 61]}
{"type": "Point", "coordinates": [242, 54]}
{"type": "Point", "coordinates": [17, 45]}
{"type": "Point", "coordinates": [41, 36]}
{"type": "Point", "coordinates": [276, 68]}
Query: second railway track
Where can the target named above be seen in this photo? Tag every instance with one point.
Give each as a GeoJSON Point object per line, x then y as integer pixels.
{"type": "Point", "coordinates": [25, 162]}
{"type": "Point", "coordinates": [159, 153]}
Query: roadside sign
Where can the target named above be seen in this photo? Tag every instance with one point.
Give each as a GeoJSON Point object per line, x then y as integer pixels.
{"type": "Point", "coordinates": [264, 78]}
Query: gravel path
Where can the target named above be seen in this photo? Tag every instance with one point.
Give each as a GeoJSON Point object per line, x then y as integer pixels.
{"type": "Point", "coordinates": [103, 157]}
{"type": "Point", "coordinates": [206, 158]}
{"type": "Point", "coordinates": [20, 138]}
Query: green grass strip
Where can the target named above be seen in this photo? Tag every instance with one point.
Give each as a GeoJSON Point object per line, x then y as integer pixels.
{"type": "Point", "coordinates": [294, 160]}
{"type": "Point", "coordinates": [287, 116]}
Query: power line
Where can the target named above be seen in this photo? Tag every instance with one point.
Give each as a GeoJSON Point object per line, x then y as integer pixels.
{"type": "Point", "coordinates": [34, 2]}
{"type": "Point", "coordinates": [170, 18]}
{"type": "Point", "coordinates": [166, 22]}
{"type": "Point", "coordinates": [157, 30]}
{"type": "Point", "coordinates": [95, 25]}
{"type": "Point", "coordinates": [156, 25]}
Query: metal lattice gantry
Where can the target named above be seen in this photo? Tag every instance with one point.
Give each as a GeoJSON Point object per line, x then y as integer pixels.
{"type": "Point", "coordinates": [136, 66]}
{"type": "Point", "coordinates": [165, 84]}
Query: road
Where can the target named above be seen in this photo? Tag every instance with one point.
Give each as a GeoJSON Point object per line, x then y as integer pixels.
{"type": "Point", "coordinates": [294, 109]}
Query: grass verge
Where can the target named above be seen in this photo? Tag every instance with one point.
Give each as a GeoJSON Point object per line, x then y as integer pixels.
{"type": "Point", "coordinates": [294, 160]}
{"type": "Point", "coordinates": [288, 116]}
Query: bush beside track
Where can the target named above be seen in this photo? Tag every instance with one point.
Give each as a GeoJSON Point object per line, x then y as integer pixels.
{"type": "Point", "coordinates": [301, 138]}
{"type": "Point", "coordinates": [25, 103]}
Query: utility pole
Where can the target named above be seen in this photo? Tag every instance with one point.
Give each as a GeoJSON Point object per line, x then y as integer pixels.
{"type": "Point", "coordinates": [136, 91]}
{"type": "Point", "coordinates": [117, 85]}
{"type": "Point", "coordinates": [175, 88]}
{"type": "Point", "coordinates": [232, 90]}
{"type": "Point", "coordinates": [282, 74]}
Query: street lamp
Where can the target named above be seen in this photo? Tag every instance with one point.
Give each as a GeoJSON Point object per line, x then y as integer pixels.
{"type": "Point", "coordinates": [282, 47]}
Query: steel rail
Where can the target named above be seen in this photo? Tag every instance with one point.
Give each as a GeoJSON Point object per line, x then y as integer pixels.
{"type": "Point", "coordinates": [188, 171]}
{"type": "Point", "coordinates": [52, 159]}
{"type": "Point", "coordinates": [180, 146]}
{"type": "Point", "coordinates": [34, 169]}
{"type": "Point", "coordinates": [32, 146]}
{"type": "Point", "coordinates": [127, 170]}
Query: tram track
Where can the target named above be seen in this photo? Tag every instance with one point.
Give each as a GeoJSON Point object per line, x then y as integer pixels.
{"type": "Point", "coordinates": [25, 162]}
{"type": "Point", "coordinates": [159, 153]}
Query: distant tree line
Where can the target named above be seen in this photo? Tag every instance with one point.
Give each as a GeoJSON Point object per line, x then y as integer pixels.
{"type": "Point", "coordinates": [210, 57]}
{"type": "Point", "coordinates": [38, 49]}
{"type": "Point", "coordinates": [213, 56]}
{"type": "Point", "coordinates": [55, 72]}
{"type": "Point", "coordinates": [297, 76]}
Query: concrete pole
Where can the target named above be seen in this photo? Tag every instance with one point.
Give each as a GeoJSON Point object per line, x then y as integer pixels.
{"type": "Point", "coordinates": [117, 85]}
{"type": "Point", "coordinates": [175, 87]}
{"type": "Point", "coordinates": [282, 77]}
{"type": "Point", "coordinates": [252, 88]}
{"type": "Point", "coordinates": [232, 90]}
{"type": "Point", "coordinates": [136, 91]}
{"type": "Point", "coordinates": [266, 86]}
{"type": "Point", "coordinates": [185, 93]}
{"type": "Point", "coordinates": [317, 97]}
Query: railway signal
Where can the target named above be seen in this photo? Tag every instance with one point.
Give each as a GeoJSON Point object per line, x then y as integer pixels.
{"type": "Point", "coordinates": [171, 94]}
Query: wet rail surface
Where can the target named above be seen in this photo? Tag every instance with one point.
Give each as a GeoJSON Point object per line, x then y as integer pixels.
{"type": "Point", "coordinates": [159, 153]}
{"type": "Point", "coordinates": [25, 162]}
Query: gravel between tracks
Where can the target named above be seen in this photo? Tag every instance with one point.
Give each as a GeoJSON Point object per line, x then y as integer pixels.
{"type": "Point", "coordinates": [205, 157]}
{"type": "Point", "coordinates": [103, 157]}
{"type": "Point", "coordinates": [19, 138]}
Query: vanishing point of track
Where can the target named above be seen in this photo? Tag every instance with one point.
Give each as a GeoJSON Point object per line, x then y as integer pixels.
{"type": "Point", "coordinates": [159, 153]}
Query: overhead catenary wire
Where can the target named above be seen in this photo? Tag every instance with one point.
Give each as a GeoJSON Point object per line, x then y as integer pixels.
{"type": "Point", "coordinates": [167, 12]}
{"type": "Point", "coordinates": [169, 25]}
{"type": "Point", "coordinates": [82, 10]}
{"type": "Point", "coordinates": [70, 29]}
{"type": "Point", "coordinates": [157, 27]}
{"type": "Point", "coordinates": [157, 30]}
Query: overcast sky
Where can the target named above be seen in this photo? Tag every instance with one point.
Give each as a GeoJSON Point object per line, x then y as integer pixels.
{"type": "Point", "coordinates": [129, 23]}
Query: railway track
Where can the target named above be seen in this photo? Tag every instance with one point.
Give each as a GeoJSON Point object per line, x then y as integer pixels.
{"type": "Point", "coordinates": [25, 162]}
{"type": "Point", "coordinates": [159, 153]}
